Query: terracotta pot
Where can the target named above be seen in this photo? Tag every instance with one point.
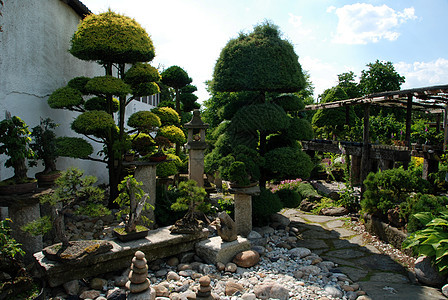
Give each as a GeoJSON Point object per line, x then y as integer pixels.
{"type": "Point", "coordinates": [18, 189]}
{"type": "Point", "coordinates": [157, 158]}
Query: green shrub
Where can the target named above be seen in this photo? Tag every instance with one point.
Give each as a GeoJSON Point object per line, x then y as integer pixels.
{"type": "Point", "coordinates": [107, 85]}
{"type": "Point", "coordinates": [100, 103]}
{"type": "Point", "coordinates": [419, 203]}
{"type": "Point", "coordinates": [65, 97]}
{"type": "Point", "coordinates": [73, 147]}
{"type": "Point", "coordinates": [170, 167]}
{"type": "Point", "coordinates": [167, 115]}
{"type": "Point", "coordinates": [266, 117]}
{"type": "Point", "coordinates": [289, 198]}
{"type": "Point", "coordinates": [287, 162]}
{"type": "Point", "coordinates": [387, 189]}
{"type": "Point", "coordinates": [79, 83]}
{"type": "Point", "coordinates": [264, 205]}
{"type": "Point", "coordinates": [8, 245]}
{"type": "Point", "coordinates": [144, 120]}
{"type": "Point", "coordinates": [95, 122]}
{"type": "Point", "coordinates": [290, 102]}
{"type": "Point", "coordinates": [432, 241]}
{"type": "Point", "coordinates": [173, 133]}
{"type": "Point", "coordinates": [299, 129]}
{"type": "Point", "coordinates": [164, 199]}
{"type": "Point", "coordinates": [141, 73]}
{"type": "Point", "coordinates": [237, 173]}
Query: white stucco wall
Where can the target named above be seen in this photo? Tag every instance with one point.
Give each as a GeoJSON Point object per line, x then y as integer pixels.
{"type": "Point", "coordinates": [34, 61]}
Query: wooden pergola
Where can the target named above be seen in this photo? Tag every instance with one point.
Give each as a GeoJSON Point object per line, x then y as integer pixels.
{"type": "Point", "coordinates": [433, 99]}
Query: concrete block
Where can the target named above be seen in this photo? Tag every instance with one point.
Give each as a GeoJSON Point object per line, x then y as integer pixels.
{"type": "Point", "coordinates": [214, 250]}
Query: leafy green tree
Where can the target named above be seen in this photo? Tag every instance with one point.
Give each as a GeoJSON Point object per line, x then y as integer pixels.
{"type": "Point", "coordinates": [112, 40]}
{"type": "Point", "coordinates": [264, 64]}
{"type": "Point", "coordinates": [176, 78]}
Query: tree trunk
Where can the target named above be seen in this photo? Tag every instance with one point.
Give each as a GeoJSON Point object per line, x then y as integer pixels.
{"type": "Point", "coordinates": [58, 224]}
{"type": "Point", "coordinates": [20, 170]}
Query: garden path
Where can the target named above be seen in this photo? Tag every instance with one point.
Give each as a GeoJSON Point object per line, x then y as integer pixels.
{"type": "Point", "coordinates": [377, 274]}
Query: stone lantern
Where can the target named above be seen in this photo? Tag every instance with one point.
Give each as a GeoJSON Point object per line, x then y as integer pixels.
{"type": "Point", "coordinates": [196, 146]}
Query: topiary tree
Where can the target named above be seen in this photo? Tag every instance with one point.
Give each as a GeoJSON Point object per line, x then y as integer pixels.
{"type": "Point", "coordinates": [112, 40]}
{"type": "Point", "coordinates": [257, 67]}
{"type": "Point", "coordinates": [176, 78]}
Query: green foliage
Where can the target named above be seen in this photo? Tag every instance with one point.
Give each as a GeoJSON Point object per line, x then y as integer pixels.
{"type": "Point", "coordinates": [44, 143]}
{"type": "Point", "coordinates": [237, 173]}
{"type": "Point", "coordinates": [143, 143]}
{"type": "Point", "coordinates": [264, 205]}
{"type": "Point", "coordinates": [167, 115]}
{"type": "Point", "coordinates": [289, 198]}
{"type": "Point", "coordinates": [419, 203]}
{"type": "Point", "coordinates": [145, 89]}
{"type": "Point", "coordinates": [175, 77]}
{"type": "Point", "coordinates": [263, 117]}
{"type": "Point", "coordinates": [289, 102]}
{"type": "Point", "coordinates": [110, 37]}
{"type": "Point", "coordinates": [141, 73]}
{"type": "Point", "coordinates": [259, 61]}
{"type": "Point", "coordinates": [65, 97]}
{"type": "Point", "coordinates": [100, 103]}
{"type": "Point", "coordinates": [144, 121]}
{"type": "Point", "coordinates": [96, 122]}
{"type": "Point", "coordinates": [169, 167]}
{"type": "Point", "coordinates": [385, 128]}
{"type": "Point", "coordinates": [387, 189]}
{"type": "Point", "coordinates": [8, 245]}
{"type": "Point", "coordinates": [299, 129]}
{"type": "Point", "coordinates": [173, 133]}
{"type": "Point", "coordinates": [191, 198]}
{"type": "Point", "coordinates": [107, 85]}
{"type": "Point", "coordinates": [15, 143]}
{"type": "Point", "coordinates": [79, 83]}
{"type": "Point", "coordinates": [432, 241]}
{"type": "Point", "coordinates": [287, 162]}
{"type": "Point", "coordinates": [164, 199]}
{"type": "Point", "coordinates": [422, 133]}
{"type": "Point", "coordinates": [38, 226]}
{"type": "Point", "coordinates": [73, 147]}
{"type": "Point", "coordinates": [380, 77]}
{"type": "Point", "coordinates": [93, 210]}
{"type": "Point", "coordinates": [130, 189]}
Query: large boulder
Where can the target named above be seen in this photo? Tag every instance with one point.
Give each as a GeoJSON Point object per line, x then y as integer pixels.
{"type": "Point", "coordinates": [247, 259]}
{"type": "Point", "coordinates": [428, 274]}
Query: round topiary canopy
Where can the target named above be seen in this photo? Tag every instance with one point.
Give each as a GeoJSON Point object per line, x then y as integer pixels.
{"type": "Point", "coordinates": [111, 37]}
{"type": "Point", "coordinates": [259, 61]}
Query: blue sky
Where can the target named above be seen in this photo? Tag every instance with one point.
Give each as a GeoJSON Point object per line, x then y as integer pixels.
{"type": "Point", "coordinates": [330, 37]}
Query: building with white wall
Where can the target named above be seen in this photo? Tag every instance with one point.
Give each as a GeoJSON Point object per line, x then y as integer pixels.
{"type": "Point", "coordinates": [34, 61]}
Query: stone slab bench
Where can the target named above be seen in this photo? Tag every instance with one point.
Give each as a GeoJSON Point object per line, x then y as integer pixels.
{"type": "Point", "coordinates": [159, 243]}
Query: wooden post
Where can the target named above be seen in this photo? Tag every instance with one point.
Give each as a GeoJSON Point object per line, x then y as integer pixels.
{"type": "Point", "coordinates": [408, 127]}
{"type": "Point", "coordinates": [365, 162]}
{"type": "Point", "coordinates": [445, 127]}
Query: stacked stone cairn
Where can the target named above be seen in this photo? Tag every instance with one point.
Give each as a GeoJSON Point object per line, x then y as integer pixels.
{"type": "Point", "coordinates": [139, 284]}
{"type": "Point", "coordinates": [205, 290]}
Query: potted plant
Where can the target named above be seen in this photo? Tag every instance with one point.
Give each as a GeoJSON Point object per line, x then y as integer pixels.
{"type": "Point", "coordinates": [44, 146]}
{"type": "Point", "coordinates": [70, 188]}
{"type": "Point", "coordinates": [161, 142]}
{"type": "Point", "coordinates": [132, 201]}
{"type": "Point", "coordinates": [15, 142]}
{"type": "Point", "coordinates": [192, 199]}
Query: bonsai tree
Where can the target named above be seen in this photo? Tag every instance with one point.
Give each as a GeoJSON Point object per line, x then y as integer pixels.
{"type": "Point", "coordinates": [44, 144]}
{"type": "Point", "coordinates": [112, 40]}
{"type": "Point", "coordinates": [70, 188]}
{"type": "Point", "coordinates": [176, 78]}
{"type": "Point", "coordinates": [260, 62]}
{"type": "Point", "coordinates": [191, 199]}
{"type": "Point", "coordinates": [132, 200]}
{"type": "Point", "coordinates": [15, 142]}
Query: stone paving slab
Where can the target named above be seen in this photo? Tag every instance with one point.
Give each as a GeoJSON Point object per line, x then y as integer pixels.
{"type": "Point", "coordinates": [377, 274]}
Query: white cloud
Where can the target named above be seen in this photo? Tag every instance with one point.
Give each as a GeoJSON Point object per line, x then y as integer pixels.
{"type": "Point", "coordinates": [296, 21]}
{"type": "Point", "coordinates": [362, 23]}
{"type": "Point", "coordinates": [322, 74]}
{"type": "Point", "coordinates": [421, 74]}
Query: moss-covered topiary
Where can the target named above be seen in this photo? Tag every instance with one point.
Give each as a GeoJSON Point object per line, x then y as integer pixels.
{"type": "Point", "coordinates": [173, 133]}
{"type": "Point", "coordinates": [299, 129]}
{"type": "Point", "coordinates": [141, 73]}
{"type": "Point", "coordinates": [237, 173]}
{"type": "Point", "coordinates": [259, 61]}
{"type": "Point", "coordinates": [264, 117]}
{"type": "Point", "coordinates": [287, 162]}
{"type": "Point", "coordinates": [65, 97]}
{"type": "Point", "coordinates": [79, 83]}
{"type": "Point", "coordinates": [289, 102]}
{"type": "Point", "coordinates": [144, 120]}
{"type": "Point", "coordinates": [73, 147]}
{"type": "Point", "coordinates": [264, 205]}
{"type": "Point", "coordinates": [145, 89]}
{"type": "Point", "coordinates": [107, 85]}
{"type": "Point", "coordinates": [100, 103]}
{"type": "Point", "coordinates": [95, 122]}
{"type": "Point", "coordinates": [110, 37]}
{"type": "Point", "coordinates": [175, 77]}
{"type": "Point", "coordinates": [167, 115]}
{"type": "Point", "coordinates": [170, 167]}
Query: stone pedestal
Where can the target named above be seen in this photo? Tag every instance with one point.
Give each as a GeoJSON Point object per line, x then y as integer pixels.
{"type": "Point", "coordinates": [429, 166]}
{"type": "Point", "coordinates": [22, 210]}
{"type": "Point", "coordinates": [146, 173]}
{"type": "Point", "coordinates": [243, 208]}
{"type": "Point", "coordinates": [214, 250]}
{"type": "Point", "coordinates": [196, 166]}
